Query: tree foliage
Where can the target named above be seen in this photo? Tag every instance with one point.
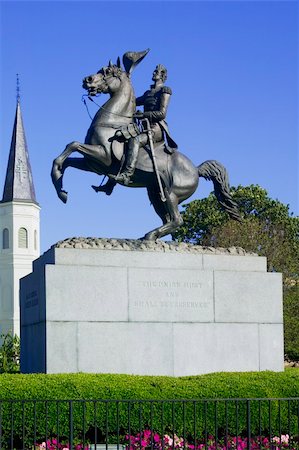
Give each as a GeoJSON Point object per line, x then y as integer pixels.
{"type": "Point", "coordinates": [268, 228]}
{"type": "Point", "coordinates": [10, 353]}
{"type": "Point", "coordinates": [291, 322]}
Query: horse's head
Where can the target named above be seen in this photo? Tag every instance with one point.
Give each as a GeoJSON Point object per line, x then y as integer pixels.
{"type": "Point", "coordinates": [109, 79]}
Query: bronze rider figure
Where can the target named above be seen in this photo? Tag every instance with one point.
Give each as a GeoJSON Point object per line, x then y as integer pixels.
{"type": "Point", "coordinates": [155, 102]}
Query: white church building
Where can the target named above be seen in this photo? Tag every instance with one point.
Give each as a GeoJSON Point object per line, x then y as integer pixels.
{"type": "Point", "coordinates": [19, 227]}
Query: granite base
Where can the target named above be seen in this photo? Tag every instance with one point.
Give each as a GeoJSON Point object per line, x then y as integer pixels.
{"type": "Point", "coordinates": [111, 306]}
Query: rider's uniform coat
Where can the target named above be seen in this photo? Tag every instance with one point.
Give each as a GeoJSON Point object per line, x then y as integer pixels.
{"type": "Point", "coordinates": [155, 102]}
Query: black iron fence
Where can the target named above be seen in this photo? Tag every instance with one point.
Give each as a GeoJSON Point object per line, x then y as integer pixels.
{"type": "Point", "coordinates": [150, 424]}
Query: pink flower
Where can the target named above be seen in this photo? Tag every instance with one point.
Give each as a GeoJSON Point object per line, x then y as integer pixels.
{"type": "Point", "coordinates": [285, 438]}
{"type": "Point", "coordinates": [168, 440]}
{"type": "Point", "coordinates": [156, 438]}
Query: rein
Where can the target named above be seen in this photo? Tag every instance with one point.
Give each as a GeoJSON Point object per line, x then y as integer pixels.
{"type": "Point", "coordinates": [101, 107]}
{"type": "Point", "coordinates": [84, 101]}
{"type": "Point", "coordinates": [110, 112]}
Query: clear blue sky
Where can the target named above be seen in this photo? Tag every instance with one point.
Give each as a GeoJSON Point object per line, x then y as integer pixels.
{"type": "Point", "coordinates": [233, 69]}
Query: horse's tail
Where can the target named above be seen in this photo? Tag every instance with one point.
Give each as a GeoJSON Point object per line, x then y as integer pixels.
{"type": "Point", "coordinates": [216, 172]}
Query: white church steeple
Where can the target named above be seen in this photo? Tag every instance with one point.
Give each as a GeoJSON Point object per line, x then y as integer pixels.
{"type": "Point", "coordinates": [19, 226]}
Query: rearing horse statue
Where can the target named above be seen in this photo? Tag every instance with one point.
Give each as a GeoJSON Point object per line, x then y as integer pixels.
{"type": "Point", "coordinates": [169, 178]}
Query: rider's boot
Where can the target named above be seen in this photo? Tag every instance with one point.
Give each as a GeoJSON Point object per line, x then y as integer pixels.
{"type": "Point", "coordinates": [107, 188]}
{"type": "Point", "coordinates": [126, 175]}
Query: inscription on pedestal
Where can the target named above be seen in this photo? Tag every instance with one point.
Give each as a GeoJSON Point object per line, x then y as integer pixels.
{"type": "Point", "coordinates": [31, 299]}
{"type": "Point", "coordinates": [171, 296]}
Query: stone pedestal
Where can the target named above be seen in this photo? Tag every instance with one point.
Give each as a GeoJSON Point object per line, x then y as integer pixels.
{"type": "Point", "coordinates": [118, 306]}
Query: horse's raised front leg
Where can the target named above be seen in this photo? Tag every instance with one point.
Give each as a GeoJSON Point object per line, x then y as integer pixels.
{"type": "Point", "coordinates": [96, 152]}
{"type": "Point", "coordinates": [76, 163]}
{"type": "Point", "coordinates": [57, 169]}
{"type": "Point", "coordinates": [169, 214]}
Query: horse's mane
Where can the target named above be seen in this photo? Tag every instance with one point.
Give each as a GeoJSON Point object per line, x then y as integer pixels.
{"type": "Point", "coordinates": [113, 70]}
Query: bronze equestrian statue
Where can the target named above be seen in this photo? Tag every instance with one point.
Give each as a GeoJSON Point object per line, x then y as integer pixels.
{"type": "Point", "coordinates": [135, 149]}
{"type": "Point", "coordinates": [155, 102]}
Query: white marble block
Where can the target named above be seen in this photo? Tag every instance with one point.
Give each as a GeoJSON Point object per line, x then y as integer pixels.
{"type": "Point", "coordinates": [120, 306]}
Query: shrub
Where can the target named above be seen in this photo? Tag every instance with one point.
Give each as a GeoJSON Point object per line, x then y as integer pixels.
{"type": "Point", "coordinates": [149, 439]}
{"type": "Point", "coordinates": [10, 353]}
{"type": "Point", "coordinates": [109, 422]}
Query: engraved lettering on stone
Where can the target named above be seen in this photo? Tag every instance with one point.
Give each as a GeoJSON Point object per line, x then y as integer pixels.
{"type": "Point", "coordinates": [31, 299]}
{"type": "Point", "coordinates": [169, 304]}
{"type": "Point", "coordinates": [174, 291]}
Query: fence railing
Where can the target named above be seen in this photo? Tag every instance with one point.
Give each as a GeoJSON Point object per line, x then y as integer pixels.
{"type": "Point", "coordinates": [208, 424]}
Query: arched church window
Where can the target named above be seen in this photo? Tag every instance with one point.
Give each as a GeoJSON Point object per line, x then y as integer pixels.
{"type": "Point", "coordinates": [35, 240]}
{"type": "Point", "coordinates": [5, 238]}
{"type": "Point", "coordinates": [23, 238]}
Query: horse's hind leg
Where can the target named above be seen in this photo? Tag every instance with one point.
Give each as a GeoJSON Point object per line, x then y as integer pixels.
{"type": "Point", "coordinates": [169, 213]}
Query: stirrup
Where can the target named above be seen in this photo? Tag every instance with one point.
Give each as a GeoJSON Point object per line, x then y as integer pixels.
{"type": "Point", "coordinates": [124, 178]}
{"type": "Point", "coordinates": [107, 190]}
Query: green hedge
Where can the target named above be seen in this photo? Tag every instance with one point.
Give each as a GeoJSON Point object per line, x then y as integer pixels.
{"type": "Point", "coordinates": [121, 387]}
{"type": "Point", "coordinates": [106, 386]}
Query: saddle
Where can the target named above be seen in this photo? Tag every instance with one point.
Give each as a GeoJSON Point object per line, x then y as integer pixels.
{"type": "Point", "coordinates": [145, 160]}
{"type": "Point", "coordinates": [118, 147]}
